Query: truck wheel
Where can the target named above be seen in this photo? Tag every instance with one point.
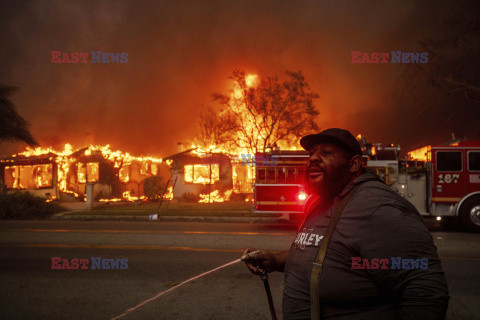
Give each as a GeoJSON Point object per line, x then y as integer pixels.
{"type": "Point", "coordinates": [470, 214]}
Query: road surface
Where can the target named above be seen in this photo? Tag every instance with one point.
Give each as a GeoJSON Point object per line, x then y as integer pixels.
{"type": "Point", "coordinates": [161, 255]}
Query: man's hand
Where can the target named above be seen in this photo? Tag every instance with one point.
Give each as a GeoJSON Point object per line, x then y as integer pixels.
{"type": "Point", "coordinates": [267, 261]}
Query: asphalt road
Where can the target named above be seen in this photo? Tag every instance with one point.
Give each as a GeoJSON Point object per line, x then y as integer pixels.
{"type": "Point", "coordinates": [161, 255]}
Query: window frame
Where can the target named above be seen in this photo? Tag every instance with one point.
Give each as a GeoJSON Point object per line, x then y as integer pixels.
{"type": "Point", "coordinates": [283, 170]}
{"type": "Point", "coordinates": [274, 170]}
{"type": "Point", "coordinates": [294, 180]}
{"type": "Point", "coordinates": [257, 180]}
{"type": "Point", "coordinates": [468, 160]}
{"type": "Point", "coordinates": [452, 151]}
{"type": "Point", "coordinates": [87, 178]}
{"type": "Point", "coordinates": [201, 165]}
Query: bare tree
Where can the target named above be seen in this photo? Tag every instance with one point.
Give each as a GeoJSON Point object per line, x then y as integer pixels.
{"type": "Point", "coordinates": [12, 125]}
{"type": "Point", "coordinates": [268, 112]}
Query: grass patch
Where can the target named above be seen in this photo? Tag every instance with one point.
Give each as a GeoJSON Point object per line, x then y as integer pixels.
{"type": "Point", "coordinates": [178, 206]}
{"type": "Point", "coordinates": [220, 209]}
{"type": "Point", "coordinates": [25, 206]}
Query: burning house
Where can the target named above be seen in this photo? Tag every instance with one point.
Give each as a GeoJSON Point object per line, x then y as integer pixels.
{"type": "Point", "coordinates": [210, 176]}
{"type": "Point", "coordinates": [200, 175]}
{"type": "Point", "coordinates": [37, 174]}
{"type": "Point", "coordinates": [65, 175]}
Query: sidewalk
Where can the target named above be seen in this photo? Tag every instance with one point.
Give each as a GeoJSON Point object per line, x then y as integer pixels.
{"type": "Point", "coordinates": [125, 217]}
{"type": "Point", "coordinates": [177, 212]}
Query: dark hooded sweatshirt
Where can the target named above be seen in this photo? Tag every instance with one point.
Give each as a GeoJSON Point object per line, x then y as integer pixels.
{"type": "Point", "coordinates": [376, 223]}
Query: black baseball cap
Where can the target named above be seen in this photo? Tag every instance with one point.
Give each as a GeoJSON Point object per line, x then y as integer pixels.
{"type": "Point", "coordinates": [340, 137]}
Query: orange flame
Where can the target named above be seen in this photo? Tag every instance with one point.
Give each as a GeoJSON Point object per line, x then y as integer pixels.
{"type": "Point", "coordinates": [421, 154]}
{"type": "Point", "coordinates": [215, 196]}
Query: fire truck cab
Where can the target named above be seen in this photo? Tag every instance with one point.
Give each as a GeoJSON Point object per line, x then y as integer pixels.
{"type": "Point", "coordinates": [444, 181]}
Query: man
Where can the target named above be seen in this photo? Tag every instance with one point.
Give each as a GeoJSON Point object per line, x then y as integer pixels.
{"type": "Point", "coordinates": [381, 262]}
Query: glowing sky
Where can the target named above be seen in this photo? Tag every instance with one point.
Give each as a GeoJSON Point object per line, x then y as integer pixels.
{"type": "Point", "coordinates": [180, 52]}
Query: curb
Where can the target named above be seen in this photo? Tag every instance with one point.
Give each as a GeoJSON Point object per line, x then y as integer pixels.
{"type": "Point", "coordinates": [86, 217]}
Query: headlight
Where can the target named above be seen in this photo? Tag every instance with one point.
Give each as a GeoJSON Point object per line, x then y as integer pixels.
{"type": "Point", "coordinates": [302, 196]}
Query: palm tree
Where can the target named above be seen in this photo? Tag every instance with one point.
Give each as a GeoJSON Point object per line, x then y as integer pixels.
{"type": "Point", "coordinates": [12, 125]}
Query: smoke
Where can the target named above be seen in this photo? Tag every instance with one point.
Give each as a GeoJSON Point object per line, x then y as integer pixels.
{"type": "Point", "coordinates": [180, 52]}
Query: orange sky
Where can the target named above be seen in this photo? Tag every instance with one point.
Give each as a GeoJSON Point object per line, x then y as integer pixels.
{"type": "Point", "coordinates": [179, 53]}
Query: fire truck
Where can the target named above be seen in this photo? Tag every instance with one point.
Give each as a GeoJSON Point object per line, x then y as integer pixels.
{"type": "Point", "coordinates": [440, 181]}
{"type": "Point", "coordinates": [279, 182]}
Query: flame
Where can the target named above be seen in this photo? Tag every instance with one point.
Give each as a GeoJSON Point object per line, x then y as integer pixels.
{"type": "Point", "coordinates": [111, 200]}
{"type": "Point", "coordinates": [202, 173]}
{"type": "Point", "coordinates": [421, 154]}
{"type": "Point", "coordinates": [251, 123]}
{"type": "Point", "coordinates": [215, 196]}
{"type": "Point", "coordinates": [126, 195]}
{"type": "Point", "coordinates": [169, 194]}
{"type": "Point", "coordinates": [29, 176]}
{"type": "Point", "coordinates": [251, 80]}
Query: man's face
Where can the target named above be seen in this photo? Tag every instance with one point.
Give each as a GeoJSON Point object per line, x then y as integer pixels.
{"type": "Point", "coordinates": [327, 168]}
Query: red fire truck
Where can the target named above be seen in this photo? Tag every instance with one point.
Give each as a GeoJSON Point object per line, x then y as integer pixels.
{"type": "Point", "coordinates": [440, 181]}
{"type": "Point", "coordinates": [279, 182]}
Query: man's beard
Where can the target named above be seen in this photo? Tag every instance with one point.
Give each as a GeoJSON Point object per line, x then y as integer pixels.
{"type": "Point", "coordinates": [330, 183]}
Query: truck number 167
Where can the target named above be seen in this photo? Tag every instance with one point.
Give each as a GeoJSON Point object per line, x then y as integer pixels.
{"type": "Point", "coordinates": [448, 178]}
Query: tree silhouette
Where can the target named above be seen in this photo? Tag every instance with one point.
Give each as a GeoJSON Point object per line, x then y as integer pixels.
{"type": "Point", "coordinates": [12, 125]}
